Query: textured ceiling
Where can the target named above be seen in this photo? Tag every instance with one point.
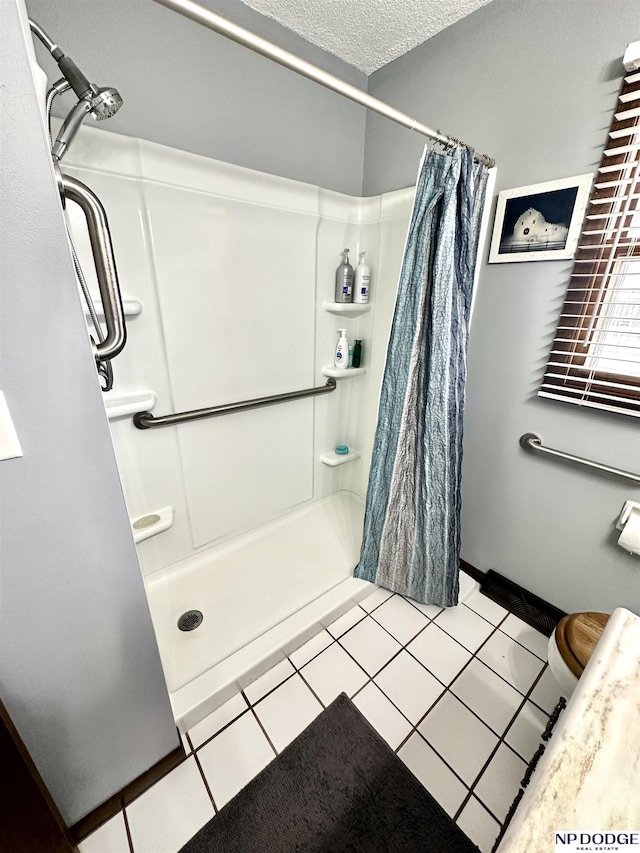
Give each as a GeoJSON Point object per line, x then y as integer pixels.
{"type": "Point", "coordinates": [366, 33]}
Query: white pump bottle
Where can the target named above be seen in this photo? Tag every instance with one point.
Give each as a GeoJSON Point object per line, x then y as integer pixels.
{"type": "Point", "coordinates": [341, 359]}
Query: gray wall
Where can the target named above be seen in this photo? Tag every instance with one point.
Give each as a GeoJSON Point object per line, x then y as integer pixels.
{"type": "Point", "coordinates": [533, 83]}
{"type": "Point", "coordinates": [190, 88]}
{"type": "Point", "coordinates": [79, 668]}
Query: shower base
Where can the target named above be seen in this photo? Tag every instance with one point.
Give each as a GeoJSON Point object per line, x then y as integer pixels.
{"type": "Point", "coordinates": [261, 595]}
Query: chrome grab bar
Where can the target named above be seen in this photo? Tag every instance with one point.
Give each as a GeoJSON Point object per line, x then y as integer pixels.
{"type": "Point", "coordinates": [105, 264]}
{"type": "Point", "coordinates": [145, 420]}
{"type": "Point", "coordinates": [532, 441]}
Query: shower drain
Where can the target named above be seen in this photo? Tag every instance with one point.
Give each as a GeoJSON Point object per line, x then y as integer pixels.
{"type": "Point", "coordinates": [190, 620]}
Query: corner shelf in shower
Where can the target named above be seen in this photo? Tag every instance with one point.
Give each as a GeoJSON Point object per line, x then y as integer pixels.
{"type": "Point", "coordinates": [152, 523]}
{"type": "Point", "coordinates": [352, 308]}
{"type": "Point", "coordinates": [332, 458]}
{"type": "Point", "coordinates": [343, 373]}
{"type": "Point", "coordinates": [129, 404]}
{"type": "Point", "coordinates": [131, 308]}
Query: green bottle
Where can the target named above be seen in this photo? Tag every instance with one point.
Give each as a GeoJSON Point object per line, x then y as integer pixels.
{"type": "Point", "coordinates": [357, 353]}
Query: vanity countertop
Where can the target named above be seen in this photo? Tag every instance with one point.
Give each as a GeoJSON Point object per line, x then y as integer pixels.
{"type": "Point", "coordinates": [589, 776]}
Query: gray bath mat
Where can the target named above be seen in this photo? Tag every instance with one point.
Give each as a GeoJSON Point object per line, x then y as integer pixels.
{"type": "Point", "coordinates": [338, 787]}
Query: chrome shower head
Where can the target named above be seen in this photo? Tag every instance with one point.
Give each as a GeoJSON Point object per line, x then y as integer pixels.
{"type": "Point", "coordinates": [105, 103]}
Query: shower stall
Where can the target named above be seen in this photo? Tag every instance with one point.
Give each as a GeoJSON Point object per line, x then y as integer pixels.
{"type": "Point", "coordinates": [247, 523]}
{"type": "Point", "coordinates": [249, 517]}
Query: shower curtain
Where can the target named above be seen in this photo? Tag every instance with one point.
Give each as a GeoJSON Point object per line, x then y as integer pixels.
{"type": "Point", "coordinates": [411, 541]}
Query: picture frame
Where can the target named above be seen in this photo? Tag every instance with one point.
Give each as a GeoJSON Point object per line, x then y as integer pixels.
{"type": "Point", "coordinates": [541, 222]}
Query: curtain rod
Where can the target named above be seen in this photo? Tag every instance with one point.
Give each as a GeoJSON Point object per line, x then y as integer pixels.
{"type": "Point", "coordinates": [239, 34]}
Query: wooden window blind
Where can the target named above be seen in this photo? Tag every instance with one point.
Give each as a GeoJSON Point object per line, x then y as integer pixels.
{"type": "Point", "coordinates": [595, 357]}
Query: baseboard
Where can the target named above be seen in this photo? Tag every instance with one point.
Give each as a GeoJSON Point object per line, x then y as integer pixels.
{"type": "Point", "coordinates": [470, 570]}
{"type": "Point", "coordinates": [105, 811]}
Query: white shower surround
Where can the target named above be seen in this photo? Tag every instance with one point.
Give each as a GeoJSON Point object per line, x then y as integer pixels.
{"type": "Point", "coordinates": [231, 268]}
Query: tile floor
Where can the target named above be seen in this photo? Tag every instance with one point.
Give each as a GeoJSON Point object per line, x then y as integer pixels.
{"type": "Point", "coordinates": [462, 695]}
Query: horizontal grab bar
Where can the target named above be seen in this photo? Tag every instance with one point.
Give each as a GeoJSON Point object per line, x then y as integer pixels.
{"type": "Point", "coordinates": [531, 441]}
{"type": "Point", "coordinates": [145, 420]}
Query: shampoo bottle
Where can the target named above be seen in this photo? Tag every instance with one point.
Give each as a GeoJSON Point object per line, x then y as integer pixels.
{"type": "Point", "coordinates": [341, 359]}
{"type": "Point", "coordinates": [344, 280]}
{"type": "Point", "coordinates": [362, 281]}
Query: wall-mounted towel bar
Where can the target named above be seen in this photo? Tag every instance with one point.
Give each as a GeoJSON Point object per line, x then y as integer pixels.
{"type": "Point", "coordinates": [145, 420]}
{"type": "Point", "coordinates": [531, 441]}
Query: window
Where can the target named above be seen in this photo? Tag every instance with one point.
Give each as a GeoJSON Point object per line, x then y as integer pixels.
{"type": "Point", "coordinates": [595, 357]}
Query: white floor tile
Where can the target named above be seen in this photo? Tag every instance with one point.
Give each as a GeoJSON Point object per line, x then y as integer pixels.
{"type": "Point", "coordinates": [287, 711]}
{"type": "Point", "coordinates": [111, 837]}
{"type": "Point", "coordinates": [547, 692]}
{"type": "Point", "coordinates": [372, 601]}
{"type": "Point", "coordinates": [486, 608]}
{"type": "Point", "coordinates": [400, 618]}
{"type": "Point", "coordinates": [527, 636]}
{"type": "Point", "coordinates": [383, 716]}
{"type": "Point", "coordinates": [409, 686]}
{"type": "Point", "coordinates": [165, 817]}
{"type": "Point", "coordinates": [333, 672]}
{"type": "Point", "coordinates": [217, 720]}
{"type": "Point", "coordinates": [488, 695]}
{"type": "Point", "coordinates": [267, 682]}
{"type": "Point", "coordinates": [234, 757]}
{"type": "Point", "coordinates": [511, 661]}
{"type": "Point", "coordinates": [478, 825]}
{"type": "Point", "coordinates": [500, 782]}
{"type": "Point", "coordinates": [346, 621]}
{"type": "Point", "coordinates": [443, 785]}
{"type": "Point", "coordinates": [310, 649]}
{"type": "Point", "coordinates": [459, 737]}
{"type": "Point", "coordinates": [439, 653]}
{"type": "Point", "coordinates": [465, 626]}
{"type": "Point", "coordinates": [524, 734]}
{"type": "Point", "coordinates": [429, 610]}
{"type": "Point", "coordinates": [370, 645]}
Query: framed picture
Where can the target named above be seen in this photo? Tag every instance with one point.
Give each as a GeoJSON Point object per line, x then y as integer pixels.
{"type": "Point", "coordinates": [541, 222]}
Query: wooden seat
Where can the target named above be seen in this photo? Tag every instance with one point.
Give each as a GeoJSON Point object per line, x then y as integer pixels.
{"type": "Point", "coordinates": [577, 636]}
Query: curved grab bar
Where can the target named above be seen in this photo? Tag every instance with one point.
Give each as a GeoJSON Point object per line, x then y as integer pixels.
{"type": "Point", "coordinates": [532, 441]}
{"type": "Point", "coordinates": [105, 264]}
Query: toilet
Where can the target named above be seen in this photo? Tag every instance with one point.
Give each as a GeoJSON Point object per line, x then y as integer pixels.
{"type": "Point", "coordinates": [572, 644]}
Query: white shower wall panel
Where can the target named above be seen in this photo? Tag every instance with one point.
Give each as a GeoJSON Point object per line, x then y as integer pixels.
{"type": "Point", "coordinates": [236, 285]}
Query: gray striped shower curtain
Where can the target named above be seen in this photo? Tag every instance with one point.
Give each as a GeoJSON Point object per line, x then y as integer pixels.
{"type": "Point", "coordinates": [411, 540]}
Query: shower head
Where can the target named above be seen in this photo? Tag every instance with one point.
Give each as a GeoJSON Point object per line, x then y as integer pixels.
{"type": "Point", "coordinates": [99, 103]}
{"type": "Point", "coordinates": [105, 103]}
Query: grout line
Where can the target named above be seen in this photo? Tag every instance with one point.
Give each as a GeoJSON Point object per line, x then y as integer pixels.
{"type": "Point", "coordinates": [415, 607]}
{"type": "Point", "coordinates": [522, 646]}
{"type": "Point", "coordinates": [311, 688]}
{"type": "Point", "coordinates": [273, 689]}
{"type": "Point", "coordinates": [264, 731]}
{"type": "Point", "coordinates": [206, 784]}
{"type": "Point", "coordinates": [222, 729]}
{"type": "Point", "coordinates": [128, 831]}
{"type": "Point", "coordinates": [298, 668]}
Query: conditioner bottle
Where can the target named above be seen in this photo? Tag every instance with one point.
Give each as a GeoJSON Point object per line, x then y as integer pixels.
{"type": "Point", "coordinates": [362, 281]}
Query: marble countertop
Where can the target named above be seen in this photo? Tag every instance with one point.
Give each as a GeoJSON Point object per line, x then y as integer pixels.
{"type": "Point", "coordinates": [589, 776]}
